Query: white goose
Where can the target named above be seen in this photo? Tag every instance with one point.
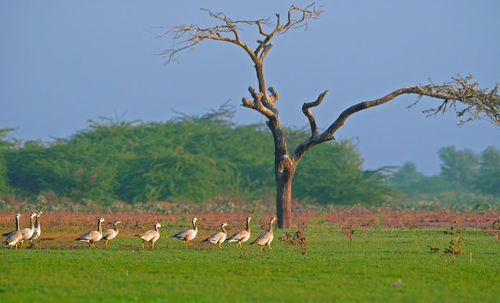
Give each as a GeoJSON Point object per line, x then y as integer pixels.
{"type": "Point", "coordinates": [218, 237]}
{"type": "Point", "coordinates": [28, 231]}
{"type": "Point", "coordinates": [109, 234]}
{"type": "Point", "coordinates": [241, 236]}
{"type": "Point", "coordinates": [188, 234]}
{"type": "Point", "coordinates": [13, 238]}
{"type": "Point", "coordinates": [92, 237]}
{"type": "Point", "coordinates": [38, 230]}
{"type": "Point", "coordinates": [150, 236]}
{"type": "Point", "coordinates": [266, 237]}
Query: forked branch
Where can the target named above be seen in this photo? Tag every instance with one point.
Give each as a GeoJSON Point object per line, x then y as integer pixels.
{"type": "Point", "coordinates": [309, 115]}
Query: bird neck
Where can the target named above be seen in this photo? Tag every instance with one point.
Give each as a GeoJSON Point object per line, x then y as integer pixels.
{"type": "Point", "coordinates": [270, 226]}
{"type": "Point", "coordinates": [18, 226]}
{"type": "Point", "coordinates": [99, 226]}
{"type": "Point", "coordinates": [36, 222]}
{"type": "Point", "coordinates": [223, 229]}
{"type": "Point", "coordinates": [115, 227]}
{"type": "Point", "coordinates": [248, 225]}
{"type": "Point", "coordinates": [156, 228]}
{"type": "Point", "coordinates": [31, 223]}
{"type": "Point", "coordinates": [194, 225]}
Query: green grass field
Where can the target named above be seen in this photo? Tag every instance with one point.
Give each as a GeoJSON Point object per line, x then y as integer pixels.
{"type": "Point", "coordinates": [332, 270]}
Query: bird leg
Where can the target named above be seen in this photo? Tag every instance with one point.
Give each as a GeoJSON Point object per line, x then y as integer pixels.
{"type": "Point", "coordinates": [220, 246]}
{"type": "Point", "coordinates": [213, 247]}
{"type": "Point", "coordinates": [106, 243]}
{"type": "Point", "coordinates": [152, 245]}
{"type": "Point", "coordinates": [142, 244]}
{"type": "Point", "coordinates": [269, 245]}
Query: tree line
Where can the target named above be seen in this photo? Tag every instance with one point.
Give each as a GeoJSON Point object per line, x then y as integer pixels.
{"type": "Point", "coordinates": [191, 159]}
{"type": "Point", "coordinates": [462, 171]}
{"type": "Point", "coordinates": [200, 158]}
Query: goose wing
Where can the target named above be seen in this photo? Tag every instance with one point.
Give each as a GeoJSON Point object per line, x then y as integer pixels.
{"type": "Point", "coordinates": [27, 233]}
{"type": "Point", "coordinates": [8, 234]}
{"type": "Point", "coordinates": [147, 235]}
{"type": "Point", "coordinates": [91, 236]}
{"type": "Point", "coordinates": [263, 239]}
{"type": "Point", "coordinates": [239, 236]}
{"type": "Point", "coordinates": [215, 238]}
{"type": "Point", "coordinates": [184, 235]}
{"type": "Point", "coordinates": [109, 234]}
{"type": "Point", "coordinates": [13, 238]}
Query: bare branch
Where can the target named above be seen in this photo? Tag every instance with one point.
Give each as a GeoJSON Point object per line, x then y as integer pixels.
{"type": "Point", "coordinates": [309, 115]}
{"type": "Point", "coordinates": [259, 103]}
{"type": "Point", "coordinates": [188, 36]}
{"type": "Point", "coordinates": [478, 103]}
{"type": "Point", "coordinates": [274, 94]}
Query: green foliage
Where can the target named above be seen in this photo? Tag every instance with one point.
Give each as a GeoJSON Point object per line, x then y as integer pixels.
{"type": "Point", "coordinates": [488, 178]}
{"type": "Point", "coordinates": [466, 183]}
{"type": "Point", "coordinates": [191, 158]}
{"type": "Point", "coordinates": [459, 167]}
{"type": "Point", "coordinates": [407, 179]}
{"type": "Point", "coordinates": [4, 144]}
{"type": "Point", "coordinates": [331, 173]}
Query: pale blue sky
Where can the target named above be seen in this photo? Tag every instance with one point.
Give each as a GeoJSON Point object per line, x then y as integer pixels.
{"type": "Point", "coordinates": [65, 62]}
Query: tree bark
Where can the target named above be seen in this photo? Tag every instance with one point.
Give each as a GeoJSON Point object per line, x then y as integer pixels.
{"type": "Point", "coordinates": [284, 197]}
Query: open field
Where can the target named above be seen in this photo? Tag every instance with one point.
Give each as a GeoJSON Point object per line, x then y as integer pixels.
{"type": "Point", "coordinates": [333, 268]}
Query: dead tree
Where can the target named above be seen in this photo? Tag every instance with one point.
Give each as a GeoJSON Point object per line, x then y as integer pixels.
{"type": "Point", "coordinates": [477, 103]}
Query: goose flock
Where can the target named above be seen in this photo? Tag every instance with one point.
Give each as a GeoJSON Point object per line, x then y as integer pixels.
{"type": "Point", "coordinates": [92, 238]}
{"type": "Point", "coordinates": [18, 236]}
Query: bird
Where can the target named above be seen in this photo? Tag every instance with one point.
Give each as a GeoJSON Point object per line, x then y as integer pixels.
{"type": "Point", "coordinates": [28, 231]}
{"type": "Point", "coordinates": [218, 237]}
{"type": "Point", "coordinates": [13, 238]}
{"type": "Point", "coordinates": [241, 236]}
{"type": "Point", "coordinates": [150, 236]}
{"type": "Point", "coordinates": [111, 233]}
{"type": "Point", "coordinates": [266, 237]}
{"type": "Point", "coordinates": [92, 237]}
{"type": "Point", "coordinates": [38, 231]}
{"type": "Point", "coordinates": [188, 234]}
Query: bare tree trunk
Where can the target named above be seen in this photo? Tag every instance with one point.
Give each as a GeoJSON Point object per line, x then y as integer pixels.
{"type": "Point", "coordinates": [284, 197]}
{"type": "Point", "coordinates": [284, 169]}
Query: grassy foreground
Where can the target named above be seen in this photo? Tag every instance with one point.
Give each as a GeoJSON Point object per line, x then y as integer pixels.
{"type": "Point", "coordinates": [332, 270]}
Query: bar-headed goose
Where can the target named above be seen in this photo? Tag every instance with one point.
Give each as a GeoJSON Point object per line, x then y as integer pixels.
{"type": "Point", "coordinates": [150, 236]}
{"type": "Point", "coordinates": [38, 230]}
{"type": "Point", "coordinates": [13, 238]}
{"type": "Point", "coordinates": [109, 234]}
{"type": "Point", "coordinates": [218, 237]}
{"type": "Point", "coordinates": [188, 234]}
{"type": "Point", "coordinates": [241, 236]}
{"type": "Point", "coordinates": [266, 237]}
{"type": "Point", "coordinates": [92, 237]}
